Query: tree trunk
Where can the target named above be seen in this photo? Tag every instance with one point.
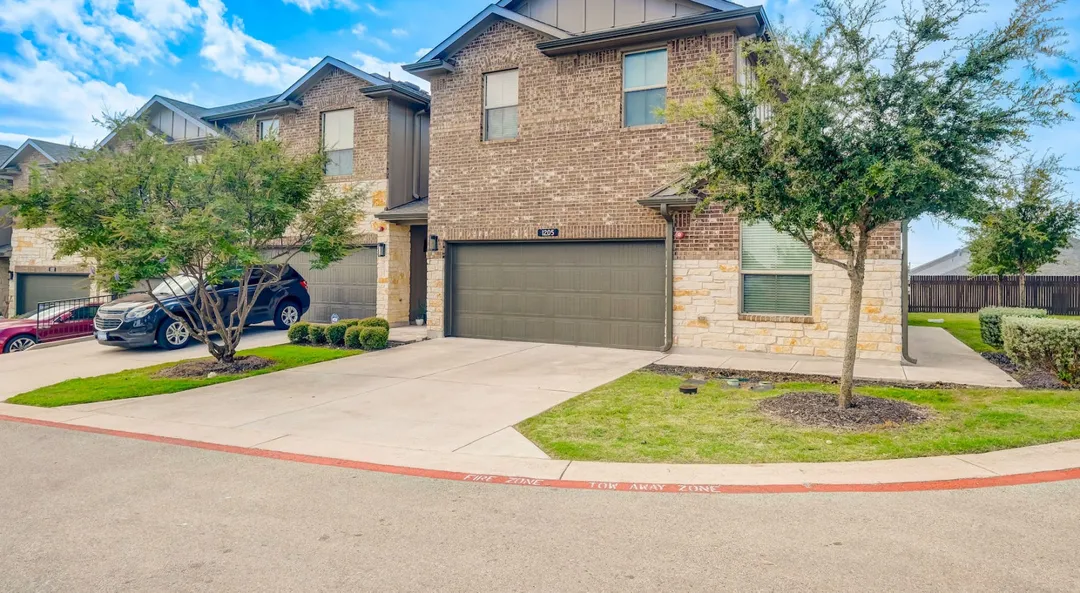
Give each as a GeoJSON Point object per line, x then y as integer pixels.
{"type": "Point", "coordinates": [857, 275]}
{"type": "Point", "coordinates": [1023, 289]}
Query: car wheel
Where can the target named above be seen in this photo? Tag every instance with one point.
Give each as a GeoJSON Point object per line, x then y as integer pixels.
{"type": "Point", "coordinates": [173, 335]}
{"type": "Point", "coordinates": [287, 314]}
{"type": "Point", "coordinates": [20, 343]}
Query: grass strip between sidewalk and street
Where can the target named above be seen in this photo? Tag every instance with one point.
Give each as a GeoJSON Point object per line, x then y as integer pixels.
{"type": "Point", "coordinates": [142, 382]}
{"type": "Point", "coordinates": [642, 417]}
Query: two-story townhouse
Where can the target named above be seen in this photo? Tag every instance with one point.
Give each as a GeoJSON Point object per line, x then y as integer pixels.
{"type": "Point", "coordinates": [374, 130]}
{"type": "Point", "coordinates": [34, 272]}
{"type": "Point", "coordinates": [554, 214]}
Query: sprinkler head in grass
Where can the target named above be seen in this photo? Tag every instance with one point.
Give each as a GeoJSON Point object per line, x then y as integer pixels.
{"type": "Point", "coordinates": [691, 386]}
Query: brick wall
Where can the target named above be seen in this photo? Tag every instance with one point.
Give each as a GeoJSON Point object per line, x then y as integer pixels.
{"type": "Point", "coordinates": [573, 166]}
{"type": "Point", "coordinates": [302, 130]}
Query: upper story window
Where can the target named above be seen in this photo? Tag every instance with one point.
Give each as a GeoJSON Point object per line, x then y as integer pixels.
{"type": "Point", "coordinates": [644, 87]}
{"type": "Point", "coordinates": [501, 105]}
{"type": "Point", "coordinates": [776, 271]}
{"type": "Point", "coordinates": [268, 128]}
{"type": "Point", "coordinates": [337, 132]}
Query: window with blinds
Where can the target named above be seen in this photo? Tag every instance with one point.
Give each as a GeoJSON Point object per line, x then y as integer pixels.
{"type": "Point", "coordinates": [644, 87]}
{"type": "Point", "coordinates": [776, 272]}
{"type": "Point", "coordinates": [501, 105]}
{"type": "Point", "coordinates": [338, 141]}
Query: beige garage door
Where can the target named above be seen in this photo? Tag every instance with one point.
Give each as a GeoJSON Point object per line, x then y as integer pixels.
{"type": "Point", "coordinates": [345, 289]}
{"type": "Point", "coordinates": [590, 294]}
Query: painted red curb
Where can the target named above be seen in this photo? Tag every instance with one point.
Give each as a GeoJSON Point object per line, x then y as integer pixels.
{"type": "Point", "coordinates": [958, 484]}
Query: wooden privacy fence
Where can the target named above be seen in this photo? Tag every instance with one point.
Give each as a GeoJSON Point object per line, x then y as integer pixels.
{"type": "Point", "coordinates": [1060, 295]}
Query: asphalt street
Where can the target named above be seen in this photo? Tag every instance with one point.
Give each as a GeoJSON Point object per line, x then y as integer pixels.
{"type": "Point", "coordinates": [84, 513]}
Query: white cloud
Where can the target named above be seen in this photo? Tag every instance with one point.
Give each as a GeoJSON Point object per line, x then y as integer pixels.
{"type": "Point", "coordinates": [234, 53]}
{"type": "Point", "coordinates": [97, 35]}
{"type": "Point", "coordinates": [374, 65]}
{"type": "Point", "coordinates": [58, 100]}
{"type": "Point", "coordinates": [423, 51]}
{"type": "Point", "coordinates": [399, 32]}
{"type": "Point", "coordinates": [310, 6]}
{"type": "Point", "coordinates": [360, 30]}
{"type": "Point", "coordinates": [379, 43]}
{"type": "Point", "coordinates": [376, 10]}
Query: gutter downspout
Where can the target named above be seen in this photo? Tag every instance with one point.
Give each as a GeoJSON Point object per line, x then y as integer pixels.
{"type": "Point", "coordinates": [417, 136]}
{"type": "Point", "coordinates": [669, 285]}
{"type": "Point", "coordinates": [905, 286]}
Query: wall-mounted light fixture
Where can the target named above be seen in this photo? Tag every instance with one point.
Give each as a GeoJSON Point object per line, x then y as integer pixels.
{"type": "Point", "coordinates": [382, 249]}
{"type": "Point", "coordinates": [433, 245]}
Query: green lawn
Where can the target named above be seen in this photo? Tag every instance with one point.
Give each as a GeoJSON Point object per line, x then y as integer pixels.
{"type": "Point", "coordinates": [964, 326]}
{"type": "Point", "coordinates": [642, 418]}
{"type": "Point", "coordinates": [141, 382]}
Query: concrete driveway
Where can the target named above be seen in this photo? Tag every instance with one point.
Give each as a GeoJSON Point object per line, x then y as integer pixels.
{"type": "Point", "coordinates": [448, 395]}
{"type": "Point", "coordinates": [23, 371]}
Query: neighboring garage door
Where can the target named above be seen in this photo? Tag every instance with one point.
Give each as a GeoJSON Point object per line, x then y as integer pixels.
{"type": "Point", "coordinates": [591, 294]}
{"type": "Point", "coordinates": [346, 288]}
{"type": "Point", "coordinates": [31, 289]}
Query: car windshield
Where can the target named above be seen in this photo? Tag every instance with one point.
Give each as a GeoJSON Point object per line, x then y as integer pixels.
{"type": "Point", "coordinates": [44, 314]}
{"type": "Point", "coordinates": [176, 286]}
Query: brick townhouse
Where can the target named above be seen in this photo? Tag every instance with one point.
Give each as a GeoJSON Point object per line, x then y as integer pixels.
{"type": "Point", "coordinates": [554, 214]}
{"type": "Point", "coordinates": [374, 130]}
{"type": "Point", "coordinates": [31, 271]}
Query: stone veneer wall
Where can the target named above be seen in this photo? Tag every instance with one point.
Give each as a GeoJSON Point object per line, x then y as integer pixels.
{"type": "Point", "coordinates": [393, 290]}
{"type": "Point", "coordinates": [33, 251]}
{"type": "Point", "coordinates": [707, 312]}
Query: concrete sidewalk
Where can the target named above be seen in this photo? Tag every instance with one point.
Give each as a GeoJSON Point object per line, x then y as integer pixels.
{"type": "Point", "coordinates": [941, 359]}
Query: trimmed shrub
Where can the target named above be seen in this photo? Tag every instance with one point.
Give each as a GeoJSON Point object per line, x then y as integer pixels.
{"type": "Point", "coordinates": [298, 333]}
{"type": "Point", "coordinates": [317, 334]}
{"type": "Point", "coordinates": [990, 321]}
{"type": "Point", "coordinates": [350, 322]}
{"type": "Point", "coordinates": [374, 338]}
{"type": "Point", "coordinates": [1049, 344]}
{"type": "Point", "coordinates": [352, 337]}
{"type": "Point", "coordinates": [335, 334]}
{"type": "Point", "coordinates": [375, 322]}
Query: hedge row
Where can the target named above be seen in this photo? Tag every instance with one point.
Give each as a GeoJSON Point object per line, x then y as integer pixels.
{"type": "Point", "coordinates": [1049, 344]}
{"type": "Point", "coordinates": [370, 333]}
{"type": "Point", "coordinates": [990, 321]}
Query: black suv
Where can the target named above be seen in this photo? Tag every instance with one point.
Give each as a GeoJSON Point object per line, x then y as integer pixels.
{"type": "Point", "coordinates": [136, 320]}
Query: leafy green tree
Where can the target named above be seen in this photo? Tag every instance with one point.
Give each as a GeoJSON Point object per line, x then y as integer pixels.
{"type": "Point", "coordinates": [151, 210]}
{"type": "Point", "coordinates": [839, 133]}
{"type": "Point", "coordinates": [1027, 227]}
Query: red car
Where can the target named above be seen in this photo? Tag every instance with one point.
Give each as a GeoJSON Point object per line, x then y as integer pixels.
{"type": "Point", "coordinates": [59, 322]}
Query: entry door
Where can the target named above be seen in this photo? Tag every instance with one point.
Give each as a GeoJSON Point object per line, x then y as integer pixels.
{"type": "Point", "coordinates": [592, 294]}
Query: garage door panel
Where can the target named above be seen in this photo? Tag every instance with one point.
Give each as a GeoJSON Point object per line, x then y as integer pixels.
{"type": "Point", "coordinates": [596, 294]}
{"type": "Point", "coordinates": [31, 289]}
{"type": "Point", "coordinates": [346, 288]}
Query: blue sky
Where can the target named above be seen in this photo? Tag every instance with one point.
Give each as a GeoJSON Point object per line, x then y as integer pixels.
{"type": "Point", "coordinates": [64, 61]}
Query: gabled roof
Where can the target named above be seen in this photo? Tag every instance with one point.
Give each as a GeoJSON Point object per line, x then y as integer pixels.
{"type": "Point", "coordinates": [5, 152]}
{"type": "Point", "coordinates": [717, 4]}
{"type": "Point", "coordinates": [956, 263]}
{"type": "Point", "coordinates": [477, 25]}
{"type": "Point", "coordinates": [747, 20]}
{"type": "Point", "coordinates": [207, 117]}
{"type": "Point", "coordinates": [414, 211]}
{"type": "Point", "coordinates": [192, 113]}
{"type": "Point", "coordinates": [56, 153]}
{"type": "Point", "coordinates": [320, 70]}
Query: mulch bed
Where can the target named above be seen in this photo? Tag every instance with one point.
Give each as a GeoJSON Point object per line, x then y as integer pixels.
{"type": "Point", "coordinates": [197, 369]}
{"type": "Point", "coordinates": [775, 378]}
{"type": "Point", "coordinates": [1030, 378]}
{"type": "Point", "coordinates": [813, 408]}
